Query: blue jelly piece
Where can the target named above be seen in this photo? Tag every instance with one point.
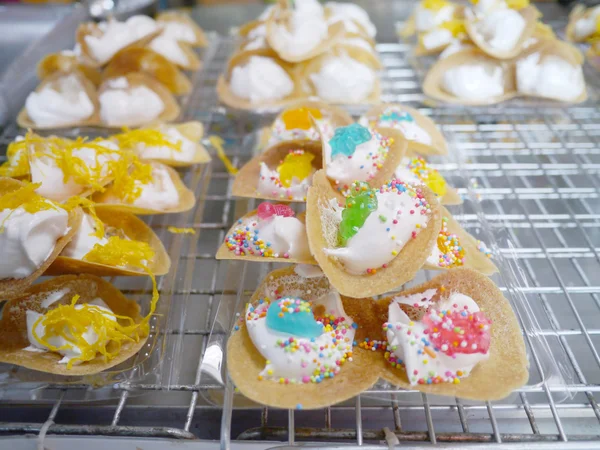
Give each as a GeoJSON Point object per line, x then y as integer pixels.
{"type": "Point", "coordinates": [396, 116]}
{"type": "Point", "coordinates": [300, 323]}
{"type": "Point", "coordinates": [346, 139]}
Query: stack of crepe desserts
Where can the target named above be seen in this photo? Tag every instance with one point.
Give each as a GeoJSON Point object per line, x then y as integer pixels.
{"type": "Point", "coordinates": [68, 209]}
{"type": "Point", "coordinates": [302, 49]}
{"type": "Point", "coordinates": [584, 28]}
{"type": "Point", "coordinates": [327, 328]}
{"type": "Point", "coordinates": [491, 51]}
{"type": "Point", "coordinates": [119, 74]}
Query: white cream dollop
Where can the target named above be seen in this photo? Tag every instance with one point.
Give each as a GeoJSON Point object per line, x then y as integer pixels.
{"type": "Point", "coordinates": [280, 133]}
{"type": "Point", "coordinates": [359, 43]}
{"type": "Point", "coordinates": [160, 194]}
{"type": "Point", "coordinates": [125, 105]}
{"type": "Point", "coordinates": [178, 30]}
{"type": "Point", "coordinates": [261, 79]}
{"type": "Point", "coordinates": [118, 35]}
{"type": "Point", "coordinates": [300, 366]}
{"type": "Point", "coordinates": [454, 47]}
{"type": "Point", "coordinates": [379, 240]}
{"type": "Point", "coordinates": [62, 102]}
{"type": "Point", "coordinates": [28, 239]}
{"type": "Point", "coordinates": [348, 13]}
{"type": "Point", "coordinates": [474, 81]}
{"type": "Point", "coordinates": [407, 125]}
{"type": "Point", "coordinates": [405, 174]}
{"type": "Point", "coordinates": [185, 153]}
{"type": "Point", "coordinates": [407, 339]}
{"type": "Point", "coordinates": [170, 49]}
{"type": "Point", "coordinates": [84, 240]}
{"type": "Point", "coordinates": [66, 349]}
{"type": "Point", "coordinates": [269, 184]}
{"type": "Point", "coordinates": [343, 80]}
{"type": "Point", "coordinates": [549, 76]}
{"type": "Point", "coordinates": [501, 29]}
{"type": "Point", "coordinates": [427, 19]}
{"type": "Point", "coordinates": [436, 38]}
{"type": "Point", "coordinates": [586, 25]}
{"type": "Point", "coordinates": [362, 165]}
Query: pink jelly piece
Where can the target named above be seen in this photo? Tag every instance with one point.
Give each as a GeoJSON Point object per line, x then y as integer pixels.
{"type": "Point", "coordinates": [266, 210]}
{"type": "Point", "coordinates": [456, 327]}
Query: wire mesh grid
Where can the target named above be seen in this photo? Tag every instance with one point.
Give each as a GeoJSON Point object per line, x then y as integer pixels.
{"type": "Point", "coordinates": [535, 173]}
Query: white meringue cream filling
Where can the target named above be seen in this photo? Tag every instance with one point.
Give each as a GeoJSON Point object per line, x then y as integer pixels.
{"type": "Point", "coordinates": [356, 84]}
{"type": "Point", "coordinates": [125, 105]}
{"type": "Point", "coordinates": [261, 79]}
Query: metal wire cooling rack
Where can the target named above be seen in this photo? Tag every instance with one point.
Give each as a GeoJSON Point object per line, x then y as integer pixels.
{"type": "Point", "coordinates": [535, 173]}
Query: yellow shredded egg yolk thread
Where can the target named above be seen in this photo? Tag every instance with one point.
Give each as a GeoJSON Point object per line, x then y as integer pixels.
{"type": "Point", "coordinates": [217, 143]}
{"type": "Point", "coordinates": [455, 26]}
{"type": "Point", "coordinates": [176, 230]}
{"type": "Point", "coordinates": [434, 5]}
{"type": "Point", "coordinates": [71, 323]}
{"type": "Point", "coordinates": [130, 139]}
{"type": "Point", "coordinates": [17, 161]}
{"type": "Point", "coordinates": [25, 197]}
{"type": "Point", "coordinates": [517, 4]}
{"type": "Point", "coordinates": [89, 206]}
{"type": "Point", "coordinates": [129, 178]}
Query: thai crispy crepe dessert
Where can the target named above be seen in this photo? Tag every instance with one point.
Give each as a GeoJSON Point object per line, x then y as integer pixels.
{"type": "Point", "coordinates": [71, 325]}
{"type": "Point", "coordinates": [34, 232]}
{"type": "Point", "coordinates": [181, 27]}
{"type": "Point", "coordinates": [66, 62]}
{"type": "Point", "coordinates": [274, 356]}
{"type": "Point", "coordinates": [373, 240]}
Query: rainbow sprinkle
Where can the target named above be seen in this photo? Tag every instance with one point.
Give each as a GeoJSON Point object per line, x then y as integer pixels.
{"type": "Point", "coordinates": [451, 252]}
{"type": "Point", "coordinates": [244, 240]}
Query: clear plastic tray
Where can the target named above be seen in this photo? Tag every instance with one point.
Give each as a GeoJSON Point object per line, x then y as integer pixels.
{"type": "Point", "coordinates": [158, 362]}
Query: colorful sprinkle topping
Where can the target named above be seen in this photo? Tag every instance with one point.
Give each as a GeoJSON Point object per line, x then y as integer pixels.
{"type": "Point", "coordinates": [245, 241]}
{"type": "Point", "coordinates": [483, 248]}
{"type": "Point", "coordinates": [296, 164]}
{"type": "Point", "coordinates": [299, 118]}
{"type": "Point", "coordinates": [428, 175]}
{"type": "Point", "coordinates": [293, 316]}
{"type": "Point", "coordinates": [361, 202]}
{"type": "Point", "coordinates": [346, 139]}
{"type": "Point", "coordinates": [266, 210]}
{"type": "Point", "coordinates": [452, 253]}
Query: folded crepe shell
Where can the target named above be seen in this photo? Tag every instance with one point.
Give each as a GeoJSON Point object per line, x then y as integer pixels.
{"type": "Point", "coordinates": [13, 324]}
{"type": "Point", "coordinates": [225, 253]}
{"type": "Point", "coordinates": [24, 121]}
{"type": "Point", "coordinates": [337, 116]}
{"type": "Point", "coordinates": [244, 362]}
{"type": "Point", "coordinates": [125, 225]}
{"type": "Point", "coordinates": [474, 258]}
{"type": "Point", "coordinates": [12, 287]}
{"type": "Point", "coordinates": [393, 159]}
{"type": "Point", "coordinates": [187, 21]}
{"type": "Point", "coordinates": [314, 66]}
{"type": "Point", "coordinates": [109, 201]}
{"type": "Point", "coordinates": [563, 50]}
{"type": "Point", "coordinates": [147, 61]}
{"type": "Point", "coordinates": [506, 368]}
{"type": "Point", "coordinates": [66, 63]}
{"type": "Point", "coordinates": [578, 12]}
{"type": "Point", "coordinates": [227, 97]}
{"type": "Point", "coordinates": [245, 183]}
{"type": "Point", "coordinates": [171, 109]}
{"type": "Point", "coordinates": [432, 85]}
{"type": "Point", "coordinates": [438, 144]}
{"type": "Point", "coordinates": [245, 29]}
{"type": "Point", "coordinates": [193, 62]}
{"type": "Point", "coordinates": [529, 15]}
{"type": "Point", "coordinates": [280, 17]}
{"type": "Point", "coordinates": [370, 58]}
{"type": "Point", "coordinates": [92, 28]}
{"type": "Point", "coordinates": [401, 269]}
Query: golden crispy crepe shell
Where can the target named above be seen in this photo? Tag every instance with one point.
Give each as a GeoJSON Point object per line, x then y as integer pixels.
{"type": "Point", "coordinates": [12, 287]}
{"type": "Point", "coordinates": [13, 325]}
{"type": "Point", "coordinates": [134, 229]}
{"type": "Point", "coordinates": [529, 15]}
{"type": "Point", "coordinates": [194, 131]}
{"type": "Point", "coordinates": [451, 197]}
{"type": "Point", "coordinates": [145, 60]}
{"type": "Point", "coordinates": [578, 12]}
{"type": "Point", "coordinates": [562, 50]}
{"type": "Point", "coordinates": [337, 116]}
{"type": "Point", "coordinates": [171, 109]}
{"type": "Point", "coordinates": [59, 62]}
{"type": "Point", "coordinates": [314, 66]}
{"type": "Point", "coordinates": [245, 183]}
{"type": "Point", "coordinates": [438, 143]}
{"type": "Point", "coordinates": [244, 362]}
{"type": "Point", "coordinates": [432, 86]}
{"type": "Point", "coordinates": [245, 29]}
{"type": "Point", "coordinates": [279, 18]}
{"type": "Point", "coordinates": [106, 201]}
{"type": "Point", "coordinates": [92, 28]}
{"type": "Point", "coordinates": [184, 19]}
{"type": "Point", "coordinates": [493, 379]}
{"type": "Point", "coordinates": [399, 270]}
{"type": "Point", "coordinates": [227, 97]}
{"type": "Point", "coordinates": [474, 259]}
{"type": "Point", "coordinates": [225, 253]}
{"type": "Point", "coordinates": [24, 121]}
{"type": "Point", "coordinates": [408, 29]}
{"type": "Point", "coordinates": [193, 61]}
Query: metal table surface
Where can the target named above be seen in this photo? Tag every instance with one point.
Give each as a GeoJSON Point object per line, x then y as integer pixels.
{"type": "Point", "coordinates": [535, 174]}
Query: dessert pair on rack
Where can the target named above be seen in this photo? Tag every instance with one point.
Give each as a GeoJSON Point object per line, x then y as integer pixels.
{"type": "Point", "coordinates": [372, 220]}
{"type": "Point", "coordinates": [298, 51]}
{"type": "Point", "coordinates": [120, 74]}
{"type": "Point", "coordinates": [492, 51]}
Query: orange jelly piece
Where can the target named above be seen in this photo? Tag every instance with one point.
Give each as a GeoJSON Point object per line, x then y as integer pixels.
{"type": "Point", "coordinates": [299, 118]}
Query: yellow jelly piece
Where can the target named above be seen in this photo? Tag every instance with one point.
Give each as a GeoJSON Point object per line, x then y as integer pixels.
{"type": "Point", "coordinates": [299, 118]}
{"type": "Point", "coordinates": [436, 183]}
{"type": "Point", "coordinates": [517, 4]}
{"type": "Point", "coordinates": [455, 26]}
{"type": "Point", "coordinates": [70, 323]}
{"type": "Point", "coordinates": [295, 164]}
{"type": "Point", "coordinates": [434, 5]}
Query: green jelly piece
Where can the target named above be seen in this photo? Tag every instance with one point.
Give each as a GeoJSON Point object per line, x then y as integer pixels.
{"type": "Point", "coordinates": [293, 316]}
{"type": "Point", "coordinates": [358, 207]}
